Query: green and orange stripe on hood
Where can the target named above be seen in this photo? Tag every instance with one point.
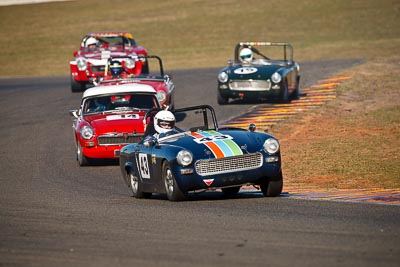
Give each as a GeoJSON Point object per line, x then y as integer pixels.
{"type": "Point", "coordinates": [221, 145]}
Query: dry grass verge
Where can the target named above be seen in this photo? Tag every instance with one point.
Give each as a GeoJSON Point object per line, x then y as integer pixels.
{"type": "Point", "coordinates": [353, 142]}
{"type": "Point", "coordinates": [39, 39]}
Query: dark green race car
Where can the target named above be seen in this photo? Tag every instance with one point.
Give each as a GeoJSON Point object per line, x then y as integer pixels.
{"type": "Point", "coordinates": [255, 76]}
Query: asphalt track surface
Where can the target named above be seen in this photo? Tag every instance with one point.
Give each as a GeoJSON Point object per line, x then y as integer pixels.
{"type": "Point", "coordinates": [55, 213]}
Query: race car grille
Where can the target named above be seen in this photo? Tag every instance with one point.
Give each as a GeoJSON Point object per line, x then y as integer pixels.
{"type": "Point", "coordinates": [250, 85]}
{"type": "Point", "coordinates": [229, 164]}
{"type": "Point", "coordinates": [120, 139]}
{"type": "Point", "coordinates": [98, 68]}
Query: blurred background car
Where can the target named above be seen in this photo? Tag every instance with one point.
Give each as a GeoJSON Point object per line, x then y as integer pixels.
{"type": "Point", "coordinates": [96, 48]}
{"type": "Point", "coordinates": [155, 77]}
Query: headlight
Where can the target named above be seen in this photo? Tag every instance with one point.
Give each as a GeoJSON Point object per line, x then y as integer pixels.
{"type": "Point", "coordinates": [223, 77]}
{"type": "Point", "coordinates": [81, 63]}
{"type": "Point", "coordinates": [161, 96]}
{"type": "Point", "coordinates": [271, 146]}
{"type": "Point", "coordinates": [276, 77]}
{"type": "Point", "coordinates": [134, 56]}
{"type": "Point", "coordinates": [129, 63]}
{"type": "Point", "coordinates": [86, 132]}
{"type": "Point", "coordinates": [184, 158]}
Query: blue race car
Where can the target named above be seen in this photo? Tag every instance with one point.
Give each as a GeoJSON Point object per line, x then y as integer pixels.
{"type": "Point", "coordinates": [201, 156]}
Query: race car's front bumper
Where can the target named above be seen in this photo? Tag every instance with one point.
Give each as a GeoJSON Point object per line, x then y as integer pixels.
{"type": "Point", "coordinates": [189, 180]}
{"type": "Point", "coordinates": [273, 91]}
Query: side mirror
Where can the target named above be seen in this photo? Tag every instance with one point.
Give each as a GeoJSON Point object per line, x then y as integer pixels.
{"type": "Point", "coordinates": [167, 78]}
{"type": "Point", "coordinates": [166, 107]}
{"type": "Point", "coordinates": [150, 141]}
{"type": "Point", "coordinates": [230, 63]}
{"type": "Point", "coordinates": [74, 113]}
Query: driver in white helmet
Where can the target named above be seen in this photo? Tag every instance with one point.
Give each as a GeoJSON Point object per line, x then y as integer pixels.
{"type": "Point", "coordinates": [91, 43]}
{"type": "Point", "coordinates": [164, 122]}
{"type": "Point", "coordinates": [246, 55]}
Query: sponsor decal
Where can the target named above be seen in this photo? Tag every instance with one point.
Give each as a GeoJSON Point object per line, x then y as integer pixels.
{"type": "Point", "coordinates": [221, 145]}
{"type": "Point", "coordinates": [96, 62]}
{"type": "Point", "coordinates": [105, 54]}
{"type": "Point", "coordinates": [123, 117]}
{"type": "Point", "coordinates": [245, 70]}
{"type": "Point", "coordinates": [208, 182]}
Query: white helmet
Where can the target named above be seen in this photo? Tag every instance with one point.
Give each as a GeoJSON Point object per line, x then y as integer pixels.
{"type": "Point", "coordinates": [246, 55]}
{"type": "Point", "coordinates": [164, 121]}
{"type": "Point", "coordinates": [91, 41]}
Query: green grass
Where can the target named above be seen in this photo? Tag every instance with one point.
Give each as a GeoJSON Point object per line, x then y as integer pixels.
{"type": "Point", "coordinates": [39, 39]}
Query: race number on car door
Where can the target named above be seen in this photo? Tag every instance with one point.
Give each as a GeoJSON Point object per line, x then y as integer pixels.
{"type": "Point", "coordinates": [144, 166]}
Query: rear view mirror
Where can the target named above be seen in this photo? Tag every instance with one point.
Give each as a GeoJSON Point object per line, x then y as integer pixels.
{"type": "Point", "coordinates": [74, 113]}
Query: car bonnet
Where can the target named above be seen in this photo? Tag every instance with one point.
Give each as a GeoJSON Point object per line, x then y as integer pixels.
{"type": "Point", "coordinates": [255, 72]}
{"type": "Point", "coordinates": [213, 144]}
{"type": "Point", "coordinates": [116, 123]}
{"type": "Point", "coordinates": [105, 54]}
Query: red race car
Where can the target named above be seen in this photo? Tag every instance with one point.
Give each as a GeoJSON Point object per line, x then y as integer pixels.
{"type": "Point", "coordinates": [109, 118]}
{"type": "Point", "coordinates": [89, 64]}
{"type": "Point", "coordinates": [161, 82]}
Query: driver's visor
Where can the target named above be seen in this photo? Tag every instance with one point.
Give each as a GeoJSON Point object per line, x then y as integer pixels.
{"type": "Point", "coordinates": [166, 124]}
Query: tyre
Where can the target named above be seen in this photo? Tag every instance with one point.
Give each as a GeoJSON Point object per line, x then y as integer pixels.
{"type": "Point", "coordinates": [222, 100]}
{"type": "Point", "coordinates": [272, 188]}
{"type": "Point", "coordinates": [174, 193]}
{"type": "Point", "coordinates": [295, 94]}
{"type": "Point", "coordinates": [284, 96]}
{"type": "Point", "coordinates": [136, 186]}
{"type": "Point", "coordinates": [77, 87]}
{"type": "Point", "coordinates": [296, 91]}
{"type": "Point", "coordinates": [231, 191]}
{"type": "Point", "coordinates": [82, 159]}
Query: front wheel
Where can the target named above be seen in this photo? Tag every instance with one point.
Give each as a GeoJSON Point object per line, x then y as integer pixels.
{"type": "Point", "coordinates": [82, 159]}
{"type": "Point", "coordinates": [222, 100]}
{"type": "Point", "coordinates": [136, 186]}
{"type": "Point", "coordinates": [174, 193]}
{"type": "Point", "coordinates": [272, 188]}
{"type": "Point", "coordinates": [284, 95]}
{"type": "Point", "coordinates": [76, 86]}
{"type": "Point", "coordinates": [296, 91]}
